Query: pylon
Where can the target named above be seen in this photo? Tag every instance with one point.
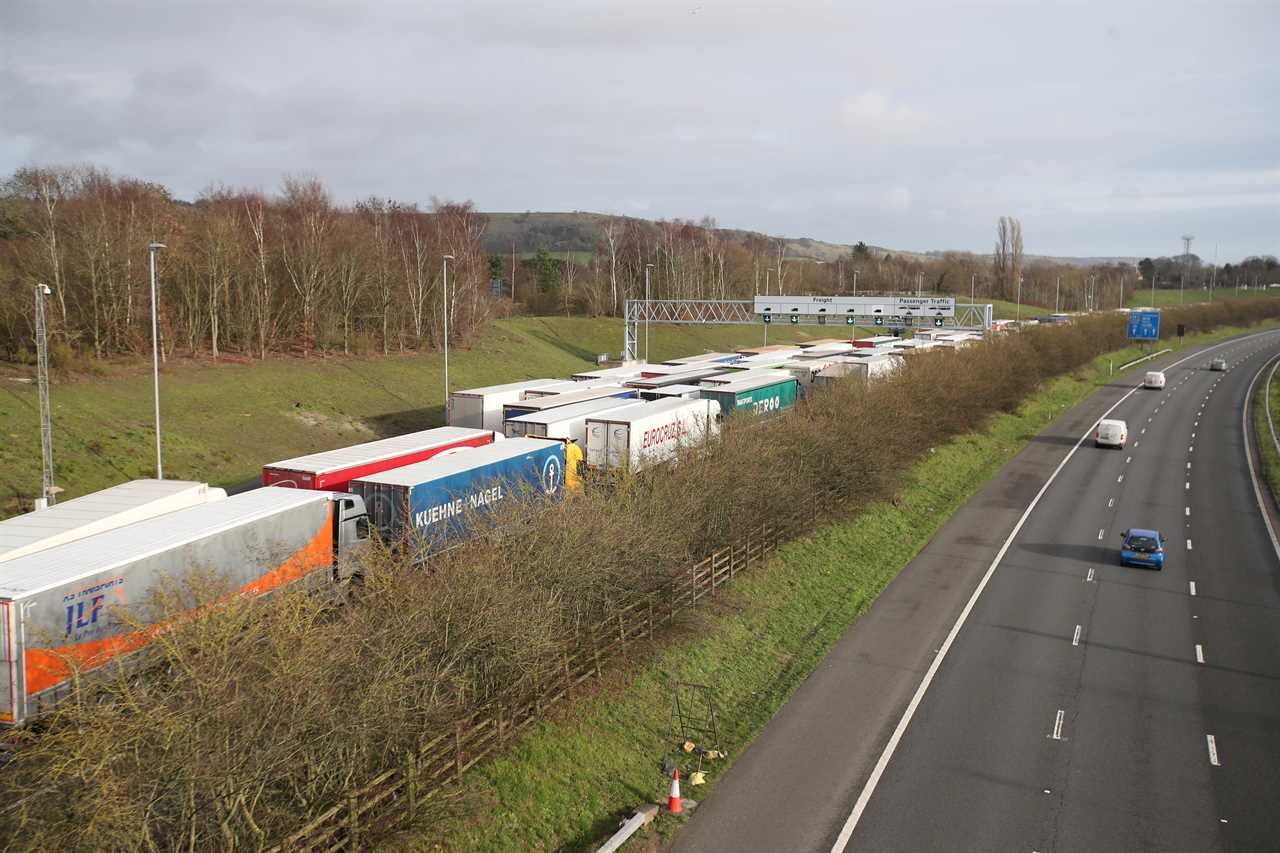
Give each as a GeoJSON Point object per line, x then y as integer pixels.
{"type": "Point", "coordinates": [673, 799]}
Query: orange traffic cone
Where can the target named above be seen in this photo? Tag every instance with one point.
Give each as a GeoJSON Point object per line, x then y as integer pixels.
{"type": "Point", "coordinates": [673, 799]}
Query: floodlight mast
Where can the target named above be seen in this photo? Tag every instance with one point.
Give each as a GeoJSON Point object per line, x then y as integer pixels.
{"type": "Point", "coordinates": [46, 498]}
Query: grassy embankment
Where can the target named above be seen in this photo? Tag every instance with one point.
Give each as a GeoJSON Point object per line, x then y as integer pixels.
{"type": "Point", "coordinates": [1270, 460]}
{"type": "Point", "coordinates": [220, 424]}
{"type": "Point", "coordinates": [566, 784]}
{"type": "Point", "coordinates": [1172, 297]}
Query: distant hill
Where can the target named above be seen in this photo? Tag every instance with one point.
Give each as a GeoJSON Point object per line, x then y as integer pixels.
{"type": "Point", "coordinates": [580, 231]}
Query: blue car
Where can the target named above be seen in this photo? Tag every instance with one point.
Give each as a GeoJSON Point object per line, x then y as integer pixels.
{"type": "Point", "coordinates": [1140, 547]}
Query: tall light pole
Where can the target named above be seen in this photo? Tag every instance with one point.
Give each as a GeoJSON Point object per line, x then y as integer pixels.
{"type": "Point", "coordinates": [1019, 298]}
{"type": "Point", "coordinates": [1154, 276]}
{"type": "Point", "coordinates": [767, 273]}
{"type": "Point", "coordinates": [46, 422]}
{"type": "Point", "coordinates": [648, 309]}
{"type": "Point", "coordinates": [1057, 288]}
{"type": "Point", "coordinates": [1213, 282]}
{"type": "Point", "coordinates": [1186, 262]}
{"type": "Point", "coordinates": [855, 281]}
{"type": "Point", "coordinates": [446, 260]}
{"type": "Point", "coordinates": [973, 287]}
{"type": "Point", "coordinates": [155, 353]}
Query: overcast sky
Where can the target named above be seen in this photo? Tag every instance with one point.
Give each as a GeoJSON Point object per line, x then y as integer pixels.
{"type": "Point", "coordinates": [1107, 129]}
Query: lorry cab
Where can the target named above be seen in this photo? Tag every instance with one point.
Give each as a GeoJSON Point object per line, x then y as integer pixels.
{"type": "Point", "coordinates": [351, 523]}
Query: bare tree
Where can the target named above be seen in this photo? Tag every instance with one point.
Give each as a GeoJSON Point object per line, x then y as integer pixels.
{"type": "Point", "coordinates": [612, 229]}
{"type": "Point", "coordinates": [255, 209]}
{"type": "Point", "coordinates": [308, 219]}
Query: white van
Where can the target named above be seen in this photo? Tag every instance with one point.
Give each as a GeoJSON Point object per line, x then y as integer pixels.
{"type": "Point", "coordinates": [1153, 379]}
{"type": "Point", "coordinates": [1111, 433]}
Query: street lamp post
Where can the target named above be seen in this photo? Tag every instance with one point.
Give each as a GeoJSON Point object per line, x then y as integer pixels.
{"type": "Point", "coordinates": [1019, 299]}
{"type": "Point", "coordinates": [648, 309]}
{"type": "Point", "coordinates": [1057, 289]}
{"type": "Point", "coordinates": [46, 425]}
{"type": "Point", "coordinates": [446, 260]}
{"type": "Point", "coordinates": [973, 287]}
{"type": "Point", "coordinates": [155, 353]}
{"type": "Point", "coordinates": [855, 282]}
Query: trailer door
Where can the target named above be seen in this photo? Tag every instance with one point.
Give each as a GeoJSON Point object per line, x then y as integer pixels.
{"type": "Point", "coordinates": [8, 667]}
{"type": "Point", "coordinates": [616, 454]}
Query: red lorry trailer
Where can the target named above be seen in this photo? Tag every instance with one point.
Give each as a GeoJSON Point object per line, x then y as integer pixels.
{"type": "Point", "coordinates": [332, 470]}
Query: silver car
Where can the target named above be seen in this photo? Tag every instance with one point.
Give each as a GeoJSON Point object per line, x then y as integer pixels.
{"type": "Point", "coordinates": [1218, 364]}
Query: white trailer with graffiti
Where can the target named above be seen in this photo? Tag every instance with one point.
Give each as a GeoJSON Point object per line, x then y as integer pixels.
{"type": "Point", "coordinates": [642, 436]}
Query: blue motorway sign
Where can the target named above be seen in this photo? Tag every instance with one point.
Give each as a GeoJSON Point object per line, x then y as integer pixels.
{"type": "Point", "coordinates": [1144, 325]}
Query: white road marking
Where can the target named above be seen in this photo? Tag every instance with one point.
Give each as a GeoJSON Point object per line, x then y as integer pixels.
{"type": "Point", "coordinates": [1191, 449]}
{"type": "Point", "coordinates": [1075, 641]}
{"type": "Point", "coordinates": [1193, 435]}
{"type": "Point", "coordinates": [1199, 653]}
{"type": "Point", "coordinates": [1192, 584]}
{"type": "Point", "coordinates": [1128, 459]}
{"type": "Point", "coordinates": [1144, 431]}
{"type": "Point", "coordinates": [1120, 479]}
{"type": "Point", "coordinates": [1188, 466]}
{"type": "Point", "coordinates": [1188, 510]}
{"type": "Point", "coordinates": [1213, 750]}
{"type": "Point", "coordinates": [1188, 484]}
{"type": "Point", "coordinates": [886, 755]}
{"type": "Point", "coordinates": [1111, 503]}
{"type": "Point", "coordinates": [1188, 544]}
{"type": "Point", "coordinates": [1101, 530]}
{"type": "Point", "coordinates": [1057, 728]}
{"type": "Point", "coordinates": [1136, 443]}
{"type": "Point", "coordinates": [1089, 577]}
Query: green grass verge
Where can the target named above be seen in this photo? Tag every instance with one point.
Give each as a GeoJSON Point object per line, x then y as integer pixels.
{"type": "Point", "coordinates": [222, 423]}
{"type": "Point", "coordinates": [1266, 447]}
{"type": "Point", "coordinates": [564, 785]}
{"type": "Point", "coordinates": [1167, 298]}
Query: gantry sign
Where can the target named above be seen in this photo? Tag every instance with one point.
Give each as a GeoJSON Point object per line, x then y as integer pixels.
{"type": "Point", "coordinates": [889, 311]}
{"type": "Point", "coordinates": [860, 310]}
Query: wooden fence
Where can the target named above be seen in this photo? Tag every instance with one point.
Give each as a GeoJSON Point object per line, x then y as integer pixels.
{"type": "Point", "coordinates": [394, 796]}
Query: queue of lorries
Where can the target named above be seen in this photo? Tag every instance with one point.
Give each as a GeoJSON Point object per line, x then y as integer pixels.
{"type": "Point", "coordinates": [65, 569]}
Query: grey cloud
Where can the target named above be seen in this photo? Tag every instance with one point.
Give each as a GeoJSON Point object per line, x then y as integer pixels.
{"type": "Point", "coordinates": [909, 126]}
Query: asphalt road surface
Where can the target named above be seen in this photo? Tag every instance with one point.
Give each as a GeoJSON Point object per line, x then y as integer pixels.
{"type": "Point", "coordinates": [1026, 692]}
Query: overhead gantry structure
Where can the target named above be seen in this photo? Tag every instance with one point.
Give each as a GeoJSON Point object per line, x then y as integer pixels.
{"type": "Point", "coordinates": [888, 310]}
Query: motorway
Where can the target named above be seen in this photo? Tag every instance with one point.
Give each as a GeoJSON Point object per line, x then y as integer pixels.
{"type": "Point", "coordinates": [1016, 689]}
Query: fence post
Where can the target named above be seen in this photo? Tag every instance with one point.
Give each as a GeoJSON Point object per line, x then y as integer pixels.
{"type": "Point", "coordinates": [353, 822]}
{"type": "Point", "coordinates": [595, 650]}
{"type": "Point", "coordinates": [411, 785]}
{"type": "Point", "coordinates": [651, 617]}
{"type": "Point", "coordinates": [457, 750]}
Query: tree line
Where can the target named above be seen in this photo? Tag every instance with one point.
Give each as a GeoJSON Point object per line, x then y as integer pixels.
{"type": "Point", "coordinates": [241, 272]}
{"type": "Point", "coordinates": [246, 273]}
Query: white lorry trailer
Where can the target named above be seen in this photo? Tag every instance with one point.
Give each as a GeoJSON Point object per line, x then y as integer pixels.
{"type": "Point", "coordinates": [481, 408]}
{"type": "Point", "coordinates": [100, 511]}
{"type": "Point", "coordinates": [639, 437]}
{"type": "Point", "coordinates": [61, 609]}
{"type": "Point", "coordinates": [565, 422]}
